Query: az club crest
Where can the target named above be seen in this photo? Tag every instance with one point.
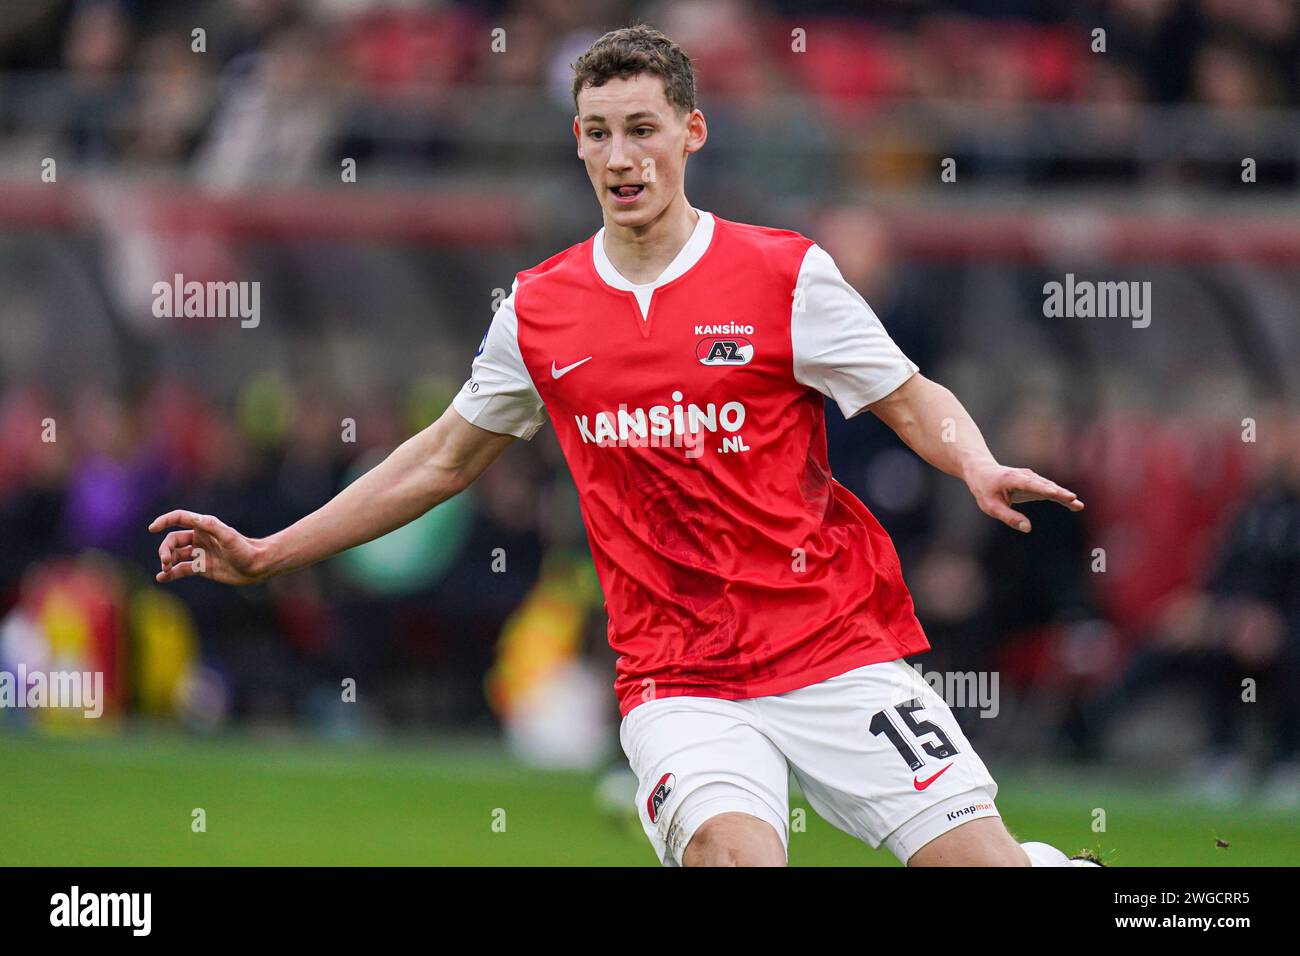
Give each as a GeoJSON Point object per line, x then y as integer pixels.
{"type": "Point", "coordinates": [659, 796]}
{"type": "Point", "coordinates": [724, 350]}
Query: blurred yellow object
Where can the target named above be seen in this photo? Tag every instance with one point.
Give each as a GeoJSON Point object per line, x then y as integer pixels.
{"type": "Point", "coordinates": [545, 633]}
{"type": "Point", "coordinates": [67, 629]}
{"type": "Point", "coordinates": [166, 648]}
{"type": "Point", "coordinates": [266, 408]}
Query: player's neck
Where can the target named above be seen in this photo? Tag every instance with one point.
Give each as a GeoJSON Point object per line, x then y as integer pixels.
{"type": "Point", "coordinates": [642, 253]}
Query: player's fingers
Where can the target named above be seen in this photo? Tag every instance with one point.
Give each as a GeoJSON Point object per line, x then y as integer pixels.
{"type": "Point", "coordinates": [218, 533]}
{"type": "Point", "coordinates": [184, 569]}
{"type": "Point", "coordinates": [174, 540]}
{"type": "Point", "coordinates": [995, 508]}
{"type": "Point", "coordinates": [1038, 492]}
{"type": "Point", "coordinates": [186, 519]}
{"type": "Point", "coordinates": [1036, 487]}
{"type": "Point", "coordinates": [176, 548]}
{"type": "Point", "coordinates": [1058, 489]}
{"type": "Point", "coordinates": [221, 533]}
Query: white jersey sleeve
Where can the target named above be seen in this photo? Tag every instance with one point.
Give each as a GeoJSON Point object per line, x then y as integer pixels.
{"type": "Point", "coordinates": [500, 395]}
{"type": "Point", "coordinates": [840, 348]}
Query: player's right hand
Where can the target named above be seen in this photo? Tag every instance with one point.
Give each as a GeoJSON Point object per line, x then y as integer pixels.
{"type": "Point", "coordinates": [205, 547]}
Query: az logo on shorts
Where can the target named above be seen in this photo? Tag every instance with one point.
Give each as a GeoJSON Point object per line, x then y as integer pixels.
{"type": "Point", "coordinates": [659, 796]}
{"type": "Point", "coordinates": [727, 351]}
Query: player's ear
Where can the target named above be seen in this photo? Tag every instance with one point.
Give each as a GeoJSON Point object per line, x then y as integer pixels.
{"type": "Point", "coordinates": [697, 131]}
{"type": "Point", "coordinates": [577, 134]}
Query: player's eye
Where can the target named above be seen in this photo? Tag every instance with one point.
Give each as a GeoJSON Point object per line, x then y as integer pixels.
{"type": "Point", "coordinates": [595, 134]}
{"type": "Point", "coordinates": [643, 130]}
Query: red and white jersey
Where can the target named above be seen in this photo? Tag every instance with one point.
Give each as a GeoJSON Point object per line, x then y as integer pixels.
{"type": "Point", "coordinates": [690, 411]}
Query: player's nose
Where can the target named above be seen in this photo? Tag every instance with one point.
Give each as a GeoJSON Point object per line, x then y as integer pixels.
{"type": "Point", "coordinates": [618, 159]}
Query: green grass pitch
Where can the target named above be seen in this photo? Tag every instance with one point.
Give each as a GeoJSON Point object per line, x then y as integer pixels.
{"type": "Point", "coordinates": [128, 801]}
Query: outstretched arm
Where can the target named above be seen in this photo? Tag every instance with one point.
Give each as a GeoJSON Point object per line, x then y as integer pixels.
{"type": "Point", "coordinates": [933, 423]}
{"type": "Point", "coordinates": [425, 470]}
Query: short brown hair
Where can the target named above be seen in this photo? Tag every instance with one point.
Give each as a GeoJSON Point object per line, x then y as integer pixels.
{"type": "Point", "coordinates": [631, 51]}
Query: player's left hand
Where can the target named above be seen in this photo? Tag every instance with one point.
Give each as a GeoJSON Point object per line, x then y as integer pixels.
{"type": "Point", "coordinates": [996, 487]}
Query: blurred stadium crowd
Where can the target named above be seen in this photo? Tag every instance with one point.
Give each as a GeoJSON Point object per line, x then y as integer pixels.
{"type": "Point", "coordinates": [284, 87]}
{"type": "Point", "coordinates": [110, 416]}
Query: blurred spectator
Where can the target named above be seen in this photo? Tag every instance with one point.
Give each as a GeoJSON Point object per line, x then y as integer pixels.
{"type": "Point", "coordinates": [94, 52]}
{"type": "Point", "coordinates": [277, 122]}
{"type": "Point", "coordinates": [1235, 639]}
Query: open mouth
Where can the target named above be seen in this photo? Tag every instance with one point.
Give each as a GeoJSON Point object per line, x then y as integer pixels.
{"type": "Point", "coordinates": [628, 193]}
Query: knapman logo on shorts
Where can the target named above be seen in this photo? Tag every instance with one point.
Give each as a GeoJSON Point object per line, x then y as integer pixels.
{"type": "Point", "coordinates": [968, 811]}
{"type": "Point", "coordinates": [724, 351]}
{"type": "Point", "coordinates": [659, 796]}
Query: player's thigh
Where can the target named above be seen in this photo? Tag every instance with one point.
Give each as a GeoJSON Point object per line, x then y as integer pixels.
{"type": "Point", "coordinates": [982, 842]}
{"type": "Point", "coordinates": [880, 755]}
{"type": "Point", "coordinates": [696, 759]}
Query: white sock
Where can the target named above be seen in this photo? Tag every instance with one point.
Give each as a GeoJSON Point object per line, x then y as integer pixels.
{"type": "Point", "coordinates": [1044, 854]}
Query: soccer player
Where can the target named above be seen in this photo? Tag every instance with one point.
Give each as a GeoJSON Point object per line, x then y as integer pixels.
{"type": "Point", "coordinates": [758, 607]}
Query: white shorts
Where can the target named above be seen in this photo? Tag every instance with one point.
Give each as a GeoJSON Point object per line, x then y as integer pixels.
{"type": "Point", "coordinates": [876, 751]}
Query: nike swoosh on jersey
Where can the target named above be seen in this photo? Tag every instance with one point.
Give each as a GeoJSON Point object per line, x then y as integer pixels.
{"type": "Point", "coordinates": [557, 372]}
{"type": "Point", "coordinates": [922, 784]}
